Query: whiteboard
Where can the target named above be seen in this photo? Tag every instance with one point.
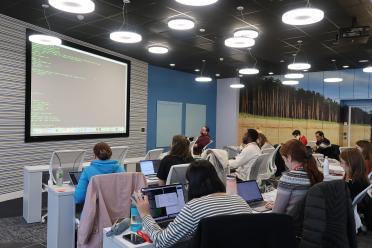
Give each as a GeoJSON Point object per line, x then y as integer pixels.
{"type": "Point", "coordinates": [168, 122]}
{"type": "Point", "coordinates": [196, 117]}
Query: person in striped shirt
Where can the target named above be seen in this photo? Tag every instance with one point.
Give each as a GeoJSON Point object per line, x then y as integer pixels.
{"type": "Point", "coordinates": [207, 195]}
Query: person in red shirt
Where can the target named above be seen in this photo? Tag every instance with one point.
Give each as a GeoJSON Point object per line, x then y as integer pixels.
{"type": "Point", "coordinates": [202, 140]}
{"type": "Point", "coordinates": [297, 135]}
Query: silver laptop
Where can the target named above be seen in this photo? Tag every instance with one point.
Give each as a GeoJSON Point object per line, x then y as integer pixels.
{"type": "Point", "coordinates": [250, 192]}
{"type": "Point", "coordinates": [165, 202]}
{"type": "Point", "coordinates": [147, 168]}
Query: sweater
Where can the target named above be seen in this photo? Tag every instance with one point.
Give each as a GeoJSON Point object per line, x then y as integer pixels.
{"type": "Point", "coordinates": [97, 167]}
{"type": "Point", "coordinates": [186, 222]}
{"type": "Point", "coordinates": [292, 188]}
{"type": "Point", "coordinates": [244, 161]}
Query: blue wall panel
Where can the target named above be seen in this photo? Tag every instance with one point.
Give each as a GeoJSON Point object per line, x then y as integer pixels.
{"type": "Point", "coordinates": [176, 86]}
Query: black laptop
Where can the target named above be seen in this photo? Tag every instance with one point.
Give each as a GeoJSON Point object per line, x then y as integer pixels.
{"type": "Point", "coordinates": [250, 192]}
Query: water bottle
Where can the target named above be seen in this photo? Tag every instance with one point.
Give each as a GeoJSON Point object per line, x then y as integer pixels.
{"type": "Point", "coordinates": [135, 219]}
{"type": "Point", "coordinates": [231, 187]}
{"type": "Point", "coordinates": [326, 166]}
{"type": "Point", "coordinates": [59, 175]}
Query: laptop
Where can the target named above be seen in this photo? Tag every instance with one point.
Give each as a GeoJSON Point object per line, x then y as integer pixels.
{"type": "Point", "coordinates": [165, 202]}
{"type": "Point", "coordinates": [75, 177]}
{"type": "Point", "coordinates": [147, 167]}
{"type": "Point", "coordinates": [250, 192]}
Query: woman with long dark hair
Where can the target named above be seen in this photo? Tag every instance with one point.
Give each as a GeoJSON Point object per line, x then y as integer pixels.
{"type": "Point", "coordinates": [366, 148]}
{"type": "Point", "coordinates": [303, 173]}
{"type": "Point", "coordinates": [207, 198]}
{"type": "Point", "coordinates": [179, 154]}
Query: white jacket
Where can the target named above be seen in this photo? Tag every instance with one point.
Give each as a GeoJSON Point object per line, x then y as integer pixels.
{"type": "Point", "coordinates": [244, 161]}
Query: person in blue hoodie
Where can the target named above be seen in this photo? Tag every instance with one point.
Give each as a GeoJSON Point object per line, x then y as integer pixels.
{"type": "Point", "coordinates": [100, 165]}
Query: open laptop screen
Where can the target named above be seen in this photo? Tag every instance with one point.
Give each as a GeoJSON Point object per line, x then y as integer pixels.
{"type": "Point", "coordinates": [75, 177]}
{"type": "Point", "coordinates": [147, 167]}
{"type": "Point", "coordinates": [249, 191]}
{"type": "Point", "coordinates": [165, 201]}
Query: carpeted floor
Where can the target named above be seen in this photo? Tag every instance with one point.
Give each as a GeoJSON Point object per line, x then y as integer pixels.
{"type": "Point", "coordinates": [16, 233]}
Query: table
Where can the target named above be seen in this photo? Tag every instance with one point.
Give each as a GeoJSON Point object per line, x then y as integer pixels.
{"type": "Point", "coordinates": [119, 242]}
{"type": "Point", "coordinates": [61, 217]}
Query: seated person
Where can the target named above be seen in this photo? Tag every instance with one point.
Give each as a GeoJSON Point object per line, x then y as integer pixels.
{"type": "Point", "coordinates": [202, 140]}
{"type": "Point", "coordinates": [321, 142]}
{"type": "Point", "coordinates": [262, 142]}
{"type": "Point", "coordinates": [303, 174]}
{"type": "Point", "coordinates": [207, 197]}
{"type": "Point", "coordinates": [366, 149]}
{"type": "Point", "coordinates": [101, 165]}
{"type": "Point", "coordinates": [355, 174]}
{"type": "Point", "coordinates": [179, 154]}
{"type": "Point", "coordinates": [247, 156]}
{"type": "Point", "coordinates": [297, 135]}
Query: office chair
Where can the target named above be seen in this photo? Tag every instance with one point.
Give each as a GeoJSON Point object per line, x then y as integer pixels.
{"type": "Point", "coordinates": [268, 150]}
{"type": "Point", "coordinates": [119, 153]}
{"type": "Point", "coordinates": [177, 174]}
{"type": "Point", "coordinates": [356, 201]}
{"type": "Point", "coordinates": [206, 146]}
{"type": "Point", "coordinates": [262, 160]}
{"type": "Point", "coordinates": [153, 154]}
{"type": "Point", "coordinates": [68, 160]}
{"type": "Point", "coordinates": [245, 230]}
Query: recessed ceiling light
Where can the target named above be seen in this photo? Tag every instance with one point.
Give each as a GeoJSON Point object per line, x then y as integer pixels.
{"type": "Point", "coordinates": [236, 86]}
{"type": "Point", "coordinates": [363, 61]}
{"type": "Point", "coordinates": [299, 66]}
{"type": "Point", "coordinates": [197, 2]}
{"type": "Point", "coordinates": [249, 33]}
{"type": "Point", "coordinates": [203, 79]}
{"type": "Point", "coordinates": [249, 71]}
{"type": "Point", "coordinates": [282, 61]}
{"type": "Point", "coordinates": [345, 66]}
{"type": "Point", "coordinates": [240, 75]}
{"type": "Point", "coordinates": [158, 49]}
{"type": "Point", "coordinates": [217, 75]}
{"type": "Point", "coordinates": [173, 65]}
{"type": "Point", "coordinates": [45, 39]}
{"type": "Point", "coordinates": [221, 59]}
{"type": "Point", "coordinates": [302, 16]}
{"type": "Point", "coordinates": [181, 24]}
{"type": "Point", "coordinates": [294, 75]}
{"type": "Point", "coordinates": [333, 80]}
{"type": "Point", "coordinates": [306, 70]}
{"type": "Point", "coordinates": [290, 82]}
{"type": "Point", "coordinates": [197, 70]}
{"type": "Point", "coordinates": [74, 6]}
{"type": "Point", "coordinates": [368, 69]}
{"type": "Point", "coordinates": [202, 30]}
{"type": "Point", "coordinates": [271, 73]}
{"type": "Point", "coordinates": [125, 37]}
{"type": "Point", "coordinates": [239, 42]}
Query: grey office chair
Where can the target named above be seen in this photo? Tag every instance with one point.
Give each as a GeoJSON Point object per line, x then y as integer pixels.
{"type": "Point", "coordinates": [262, 160]}
{"type": "Point", "coordinates": [177, 174]}
{"type": "Point", "coordinates": [356, 201]}
{"type": "Point", "coordinates": [154, 154]}
{"type": "Point", "coordinates": [119, 153]}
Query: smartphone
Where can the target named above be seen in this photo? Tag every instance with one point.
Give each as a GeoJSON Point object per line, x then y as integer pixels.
{"type": "Point", "coordinates": [134, 238]}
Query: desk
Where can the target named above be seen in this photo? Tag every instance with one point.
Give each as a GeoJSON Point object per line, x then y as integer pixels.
{"type": "Point", "coordinates": [119, 242]}
{"type": "Point", "coordinates": [61, 217]}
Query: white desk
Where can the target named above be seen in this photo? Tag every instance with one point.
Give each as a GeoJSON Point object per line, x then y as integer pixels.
{"type": "Point", "coordinates": [61, 217]}
{"type": "Point", "coordinates": [119, 242]}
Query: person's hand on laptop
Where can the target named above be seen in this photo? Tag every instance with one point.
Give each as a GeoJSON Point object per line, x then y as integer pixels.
{"type": "Point", "coordinates": [142, 204]}
{"type": "Point", "coordinates": [269, 205]}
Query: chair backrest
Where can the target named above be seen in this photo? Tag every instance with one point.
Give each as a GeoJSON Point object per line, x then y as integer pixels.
{"type": "Point", "coordinates": [250, 230]}
{"type": "Point", "coordinates": [342, 148]}
{"type": "Point", "coordinates": [220, 161]}
{"type": "Point", "coordinates": [268, 169]}
{"type": "Point", "coordinates": [192, 143]}
{"type": "Point", "coordinates": [68, 160]}
{"type": "Point", "coordinates": [154, 154]}
{"type": "Point", "coordinates": [177, 174]}
{"type": "Point", "coordinates": [268, 150]}
{"type": "Point", "coordinates": [361, 196]}
{"type": "Point", "coordinates": [206, 146]}
{"type": "Point", "coordinates": [261, 161]}
{"type": "Point", "coordinates": [119, 153]}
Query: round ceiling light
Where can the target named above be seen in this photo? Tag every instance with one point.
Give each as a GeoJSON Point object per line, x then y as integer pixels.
{"type": "Point", "coordinates": [368, 69]}
{"type": "Point", "coordinates": [236, 86]}
{"type": "Point", "coordinates": [74, 6]}
{"type": "Point", "coordinates": [271, 73]}
{"type": "Point", "coordinates": [239, 42]}
{"type": "Point", "coordinates": [158, 49]}
{"type": "Point", "coordinates": [290, 82]}
{"type": "Point", "coordinates": [249, 71]}
{"type": "Point", "coordinates": [125, 37]}
{"type": "Point", "coordinates": [203, 79]}
{"type": "Point", "coordinates": [249, 33]}
{"type": "Point", "coordinates": [45, 39]}
{"type": "Point", "coordinates": [181, 24]}
{"type": "Point", "coordinates": [302, 16]}
{"type": "Point", "coordinates": [197, 2]}
{"type": "Point", "coordinates": [345, 66]}
{"type": "Point", "coordinates": [294, 75]}
{"type": "Point", "coordinates": [333, 80]}
{"type": "Point", "coordinates": [299, 66]}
